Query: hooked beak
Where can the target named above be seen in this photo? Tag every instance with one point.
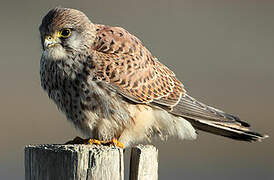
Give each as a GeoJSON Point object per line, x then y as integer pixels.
{"type": "Point", "coordinates": [52, 40]}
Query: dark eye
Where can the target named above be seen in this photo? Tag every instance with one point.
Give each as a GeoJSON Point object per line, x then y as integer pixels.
{"type": "Point", "coordinates": [65, 33]}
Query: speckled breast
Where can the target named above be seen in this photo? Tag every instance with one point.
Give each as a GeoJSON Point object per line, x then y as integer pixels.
{"type": "Point", "coordinates": [83, 99]}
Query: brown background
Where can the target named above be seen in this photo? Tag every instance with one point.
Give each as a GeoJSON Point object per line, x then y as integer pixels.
{"type": "Point", "coordinates": [222, 51]}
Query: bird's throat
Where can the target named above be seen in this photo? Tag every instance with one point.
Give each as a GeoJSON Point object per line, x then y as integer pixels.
{"type": "Point", "coordinates": [55, 53]}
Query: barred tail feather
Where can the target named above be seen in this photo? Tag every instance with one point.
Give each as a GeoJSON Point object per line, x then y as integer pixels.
{"type": "Point", "coordinates": [212, 120]}
{"type": "Point", "coordinates": [242, 134]}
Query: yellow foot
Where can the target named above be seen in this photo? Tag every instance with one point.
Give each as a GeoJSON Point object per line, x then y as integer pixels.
{"type": "Point", "coordinates": [79, 140]}
{"type": "Point", "coordinates": [116, 143]}
{"type": "Point", "coordinates": [94, 141]}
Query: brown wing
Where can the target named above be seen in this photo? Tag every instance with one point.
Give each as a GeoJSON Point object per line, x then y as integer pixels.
{"type": "Point", "coordinates": [129, 68]}
{"type": "Point", "coordinates": [123, 62]}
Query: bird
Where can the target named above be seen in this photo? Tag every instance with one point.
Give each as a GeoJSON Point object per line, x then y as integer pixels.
{"type": "Point", "coordinates": [111, 88]}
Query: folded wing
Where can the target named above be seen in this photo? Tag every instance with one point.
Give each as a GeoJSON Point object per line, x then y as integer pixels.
{"type": "Point", "coordinates": [130, 69]}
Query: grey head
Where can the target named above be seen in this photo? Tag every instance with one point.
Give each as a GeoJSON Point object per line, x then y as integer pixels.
{"type": "Point", "coordinates": [65, 31]}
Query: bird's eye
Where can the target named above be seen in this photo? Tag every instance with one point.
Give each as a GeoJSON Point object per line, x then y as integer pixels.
{"type": "Point", "coordinates": [65, 33]}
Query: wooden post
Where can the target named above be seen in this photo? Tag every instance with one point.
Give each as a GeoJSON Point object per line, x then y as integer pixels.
{"type": "Point", "coordinates": [88, 162]}
{"type": "Point", "coordinates": [144, 163]}
{"type": "Point", "coordinates": [73, 162]}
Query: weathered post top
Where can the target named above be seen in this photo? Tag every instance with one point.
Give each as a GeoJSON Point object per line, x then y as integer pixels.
{"type": "Point", "coordinates": [144, 163]}
{"type": "Point", "coordinates": [73, 162]}
{"type": "Point", "coordinates": [88, 162]}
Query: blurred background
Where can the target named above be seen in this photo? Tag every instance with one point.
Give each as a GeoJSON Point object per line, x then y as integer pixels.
{"type": "Point", "coordinates": [222, 50]}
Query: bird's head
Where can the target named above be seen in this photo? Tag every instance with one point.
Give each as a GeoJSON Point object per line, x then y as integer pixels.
{"type": "Point", "coordinates": [65, 31]}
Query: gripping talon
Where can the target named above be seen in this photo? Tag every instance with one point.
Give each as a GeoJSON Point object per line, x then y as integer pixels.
{"type": "Point", "coordinates": [117, 143]}
{"type": "Point", "coordinates": [79, 140]}
{"type": "Point", "coordinates": [94, 141]}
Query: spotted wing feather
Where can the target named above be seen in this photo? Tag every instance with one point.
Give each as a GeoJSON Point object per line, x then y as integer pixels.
{"type": "Point", "coordinates": [123, 62]}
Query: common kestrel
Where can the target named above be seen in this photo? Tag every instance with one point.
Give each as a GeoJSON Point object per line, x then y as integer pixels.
{"type": "Point", "coordinates": [111, 87]}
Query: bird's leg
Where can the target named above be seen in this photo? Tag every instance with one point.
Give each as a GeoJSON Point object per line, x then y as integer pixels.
{"type": "Point", "coordinates": [79, 140]}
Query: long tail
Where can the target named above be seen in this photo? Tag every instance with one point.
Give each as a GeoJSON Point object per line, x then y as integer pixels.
{"type": "Point", "coordinates": [215, 121]}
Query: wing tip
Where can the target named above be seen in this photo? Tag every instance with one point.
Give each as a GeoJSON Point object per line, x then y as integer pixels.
{"type": "Point", "coordinates": [237, 119]}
